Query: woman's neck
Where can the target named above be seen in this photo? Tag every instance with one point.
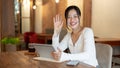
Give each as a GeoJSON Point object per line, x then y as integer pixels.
{"type": "Point", "coordinates": [77, 30]}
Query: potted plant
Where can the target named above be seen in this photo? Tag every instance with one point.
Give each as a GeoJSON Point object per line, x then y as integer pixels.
{"type": "Point", "coordinates": [10, 43]}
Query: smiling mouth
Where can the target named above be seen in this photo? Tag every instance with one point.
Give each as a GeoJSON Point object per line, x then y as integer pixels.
{"type": "Point", "coordinates": [73, 23]}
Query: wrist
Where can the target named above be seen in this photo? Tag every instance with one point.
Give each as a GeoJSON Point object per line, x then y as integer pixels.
{"type": "Point", "coordinates": [56, 33]}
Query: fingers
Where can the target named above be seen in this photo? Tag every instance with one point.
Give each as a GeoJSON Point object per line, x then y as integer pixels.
{"type": "Point", "coordinates": [54, 19]}
{"type": "Point", "coordinates": [57, 19]}
{"type": "Point", "coordinates": [61, 24]}
{"type": "Point", "coordinates": [56, 55]}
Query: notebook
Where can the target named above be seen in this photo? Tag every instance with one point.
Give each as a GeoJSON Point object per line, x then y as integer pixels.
{"type": "Point", "coordinates": [44, 52]}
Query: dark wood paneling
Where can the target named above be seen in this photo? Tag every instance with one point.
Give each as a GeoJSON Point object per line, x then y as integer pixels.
{"type": "Point", "coordinates": [32, 16]}
{"type": "Point", "coordinates": [87, 6]}
{"type": "Point", "coordinates": [0, 21]}
{"type": "Point", "coordinates": [8, 21]}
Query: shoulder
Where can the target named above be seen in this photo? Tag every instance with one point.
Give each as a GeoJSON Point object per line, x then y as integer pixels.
{"type": "Point", "coordinates": [87, 31]}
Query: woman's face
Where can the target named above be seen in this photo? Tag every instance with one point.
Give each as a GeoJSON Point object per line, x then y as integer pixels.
{"type": "Point", "coordinates": [73, 20]}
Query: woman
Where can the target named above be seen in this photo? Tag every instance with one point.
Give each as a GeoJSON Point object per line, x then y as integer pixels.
{"type": "Point", "coordinates": [80, 41]}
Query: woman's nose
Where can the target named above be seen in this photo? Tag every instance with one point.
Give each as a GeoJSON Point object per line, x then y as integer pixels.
{"type": "Point", "coordinates": [71, 19]}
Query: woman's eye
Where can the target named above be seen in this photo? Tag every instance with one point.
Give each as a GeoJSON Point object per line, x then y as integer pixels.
{"type": "Point", "coordinates": [69, 17]}
{"type": "Point", "coordinates": [75, 16]}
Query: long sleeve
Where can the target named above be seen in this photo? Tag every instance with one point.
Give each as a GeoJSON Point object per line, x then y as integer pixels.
{"type": "Point", "coordinates": [62, 45]}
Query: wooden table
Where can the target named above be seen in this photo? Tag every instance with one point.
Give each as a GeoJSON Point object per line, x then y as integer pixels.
{"type": "Point", "coordinates": [20, 60]}
{"type": "Point", "coordinates": [110, 41]}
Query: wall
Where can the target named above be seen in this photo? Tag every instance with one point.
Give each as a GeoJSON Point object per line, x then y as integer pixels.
{"type": "Point", "coordinates": [38, 16]}
{"type": "Point", "coordinates": [48, 12]}
{"type": "Point", "coordinates": [106, 18]}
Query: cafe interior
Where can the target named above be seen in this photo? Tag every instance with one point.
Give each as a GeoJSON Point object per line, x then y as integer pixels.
{"type": "Point", "coordinates": [31, 21]}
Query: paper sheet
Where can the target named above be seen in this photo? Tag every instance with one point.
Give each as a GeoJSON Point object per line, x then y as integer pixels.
{"type": "Point", "coordinates": [46, 59]}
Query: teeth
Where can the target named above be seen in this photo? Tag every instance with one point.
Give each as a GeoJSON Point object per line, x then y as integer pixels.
{"type": "Point", "coordinates": [72, 23]}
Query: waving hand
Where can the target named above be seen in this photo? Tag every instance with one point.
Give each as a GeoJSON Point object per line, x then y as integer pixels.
{"type": "Point", "coordinates": [58, 24]}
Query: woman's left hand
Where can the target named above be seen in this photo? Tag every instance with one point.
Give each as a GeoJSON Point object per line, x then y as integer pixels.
{"type": "Point", "coordinates": [57, 55]}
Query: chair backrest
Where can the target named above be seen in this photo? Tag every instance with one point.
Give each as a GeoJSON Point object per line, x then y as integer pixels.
{"type": "Point", "coordinates": [104, 55]}
{"type": "Point", "coordinates": [27, 35]}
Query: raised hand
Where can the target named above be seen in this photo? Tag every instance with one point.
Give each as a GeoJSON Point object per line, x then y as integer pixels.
{"type": "Point", "coordinates": [58, 24]}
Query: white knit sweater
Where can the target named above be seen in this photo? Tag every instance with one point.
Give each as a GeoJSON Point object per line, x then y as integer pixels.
{"type": "Point", "coordinates": [83, 50]}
